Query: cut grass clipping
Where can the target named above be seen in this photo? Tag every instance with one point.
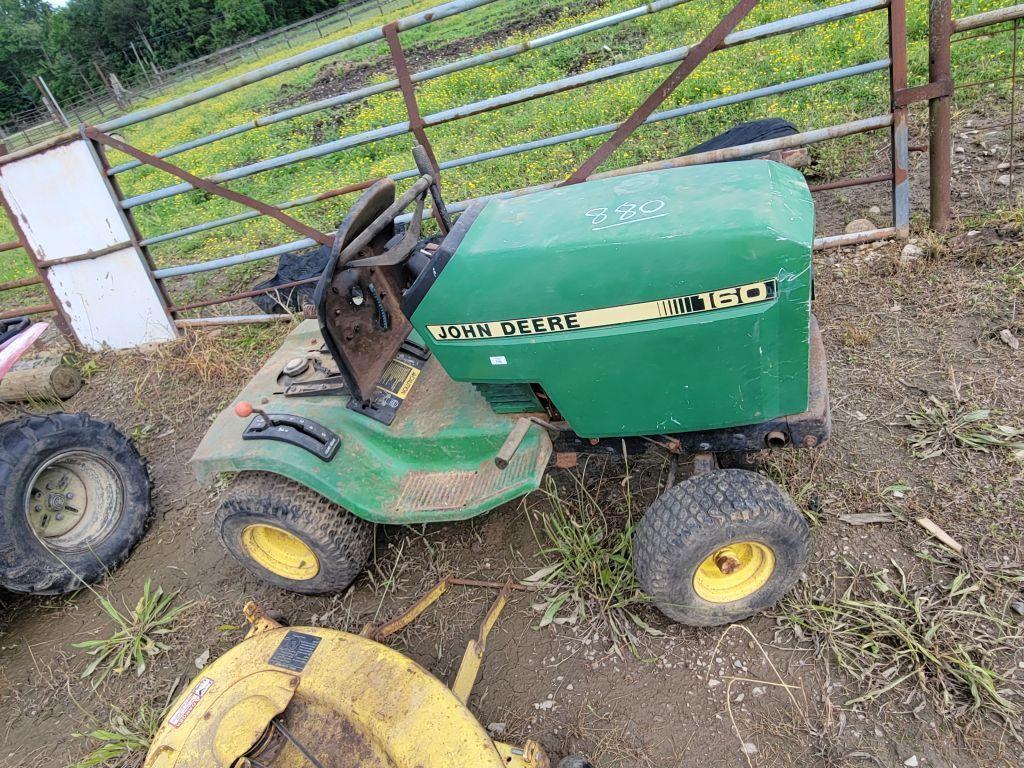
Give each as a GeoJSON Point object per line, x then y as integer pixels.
{"type": "Point", "coordinates": [589, 579]}
{"type": "Point", "coordinates": [123, 743]}
{"type": "Point", "coordinates": [138, 634]}
{"type": "Point", "coordinates": [947, 639]}
{"type": "Point", "coordinates": [941, 429]}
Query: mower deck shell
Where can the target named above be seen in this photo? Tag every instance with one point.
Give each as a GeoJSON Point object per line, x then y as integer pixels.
{"type": "Point", "coordinates": [434, 463]}
{"type": "Point", "coordinates": [350, 700]}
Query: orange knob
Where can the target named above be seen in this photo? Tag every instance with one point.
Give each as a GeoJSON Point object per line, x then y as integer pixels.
{"type": "Point", "coordinates": [244, 409]}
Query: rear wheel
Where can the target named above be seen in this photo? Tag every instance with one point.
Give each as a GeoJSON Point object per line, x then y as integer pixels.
{"type": "Point", "coordinates": [74, 501]}
{"type": "Point", "coordinates": [291, 536]}
{"type": "Point", "coordinates": [720, 547]}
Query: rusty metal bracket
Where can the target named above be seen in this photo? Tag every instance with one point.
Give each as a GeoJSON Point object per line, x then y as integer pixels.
{"type": "Point", "coordinates": [208, 186]}
{"type": "Point", "coordinates": [936, 90]}
{"type": "Point", "coordinates": [379, 632]}
{"type": "Point", "coordinates": [694, 57]}
{"type": "Point", "coordinates": [405, 84]}
{"type": "Point", "coordinates": [87, 255]}
{"type": "Point", "coordinates": [469, 669]}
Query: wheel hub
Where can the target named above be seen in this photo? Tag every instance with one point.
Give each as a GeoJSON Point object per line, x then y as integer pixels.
{"type": "Point", "coordinates": [280, 552]}
{"type": "Point", "coordinates": [734, 572]}
{"type": "Point", "coordinates": [58, 500]}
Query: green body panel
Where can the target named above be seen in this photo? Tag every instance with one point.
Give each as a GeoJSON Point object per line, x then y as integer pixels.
{"type": "Point", "coordinates": [626, 240]}
{"type": "Point", "coordinates": [440, 447]}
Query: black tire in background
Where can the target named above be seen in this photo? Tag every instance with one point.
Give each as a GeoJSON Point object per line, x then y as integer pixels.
{"type": "Point", "coordinates": [291, 536]}
{"type": "Point", "coordinates": [100, 488]}
{"type": "Point", "coordinates": [713, 513]}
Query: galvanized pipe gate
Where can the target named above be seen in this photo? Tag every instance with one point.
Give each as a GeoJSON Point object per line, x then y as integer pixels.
{"type": "Point", "coordinates": [77, 227]}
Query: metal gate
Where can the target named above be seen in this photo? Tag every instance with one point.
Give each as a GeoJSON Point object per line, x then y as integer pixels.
{"type": "Point", "coordinates": [134, 250]}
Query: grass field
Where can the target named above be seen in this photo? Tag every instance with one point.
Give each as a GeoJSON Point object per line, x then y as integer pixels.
{"type": "Point", "coordinates": [858, 40]}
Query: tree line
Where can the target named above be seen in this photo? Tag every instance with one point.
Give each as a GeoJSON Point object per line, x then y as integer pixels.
{"type": "Point", "coordinates": [71, 46]}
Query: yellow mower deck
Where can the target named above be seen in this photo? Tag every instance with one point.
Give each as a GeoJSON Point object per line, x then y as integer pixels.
{"type": "Point", "coordinates": [345, 699]}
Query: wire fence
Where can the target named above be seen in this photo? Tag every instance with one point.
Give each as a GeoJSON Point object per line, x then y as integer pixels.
{"type": "Point", "coordinates": [986, 127]}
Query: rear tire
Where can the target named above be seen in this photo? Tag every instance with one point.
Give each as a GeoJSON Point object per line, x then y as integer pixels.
{"type": "Point", "coordinates": [291, 536]}
{"type": "Point", "coordinates": [720, 547]}
{"type": "Point", "coordinates": [74, 501]}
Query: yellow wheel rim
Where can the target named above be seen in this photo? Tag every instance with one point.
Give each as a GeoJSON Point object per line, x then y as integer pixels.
{"type": "Point", "coordinates": [734, 572]}
{"type": "Point", "coordinates": [280, 552]}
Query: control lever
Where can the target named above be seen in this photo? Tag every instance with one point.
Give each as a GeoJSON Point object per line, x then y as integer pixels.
{"type": "Point", "coordinates": [245, 410]}
{"type": "Point", "coordinates": [444, 221]}
{"type": "Point", "coordinates": [288, 428]}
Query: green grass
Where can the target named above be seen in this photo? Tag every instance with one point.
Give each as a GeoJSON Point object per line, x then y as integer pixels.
{"type": "Point", "coordinates": [123, 741]}
{"type": "Point", "coordinates": [138, 637]}
{"type": "Point", "coordinates": [589, 581]}
{"type": "Point", "coordinates": [946, 639]}
{"type": "Point", "coordinates": [940, 428]}
{"type": "Point", "coordinates": [766, 62]}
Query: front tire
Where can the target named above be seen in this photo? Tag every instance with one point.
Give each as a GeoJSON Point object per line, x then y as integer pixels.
{"type": "Point", "coordinates": [720, 547]}
{"type": "Point", "coordinates": [74, 501]}
{"type": "Point", "coordinates": [291, 536]}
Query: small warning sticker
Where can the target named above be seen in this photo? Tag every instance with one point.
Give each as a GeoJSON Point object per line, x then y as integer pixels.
{"type": "Point", "coordinates": [398, 379]}
{"type": "Point", "coordinates": [191, 702]}
{"type": "Point", "coordinates": [295, 651]}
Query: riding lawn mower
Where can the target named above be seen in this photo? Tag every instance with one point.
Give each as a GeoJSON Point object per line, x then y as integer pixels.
{"type": "Point", "coordinates": [664, 310]}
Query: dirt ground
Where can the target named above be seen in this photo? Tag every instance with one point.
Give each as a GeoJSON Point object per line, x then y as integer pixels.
{"type": "Point", "coordinates": [898, 330]}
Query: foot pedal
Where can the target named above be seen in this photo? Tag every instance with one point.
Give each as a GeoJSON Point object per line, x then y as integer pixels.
{"type": "Point", "coordinates": [294, 430]}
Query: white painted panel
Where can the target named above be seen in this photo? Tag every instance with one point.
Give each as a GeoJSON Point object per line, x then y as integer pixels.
{"type": "Point", "coordinates": [66, 207]}
{"type": "Point", "coordinates": [111, 301]}
{"type": "Point", "coordinates": [63, 202]}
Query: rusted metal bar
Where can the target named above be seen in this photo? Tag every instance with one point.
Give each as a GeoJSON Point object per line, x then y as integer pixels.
{"type": "Point", "coordinates": [979, 83]}
{"type": "Point", "coordinates": [693, 59]}
{"type": "Point", "coordinates": [13, 245]}
{"type": "Point", "coordinates": [940, 161]}
{"type": "Point", "coordinates": [208, 186]}
{"type": "Point", "coordinates": [906, 96]}
{"type": "Point", "coordinates": [412, 107]}
{"type": "Point", "coordinates": [844, 183]}
{"type": "Point", "coordinates": [245, 216]}
{"type": "Point", "coordinates": [19, 311]}
{"type": "Point", "coordinates": [899, 133]}
{"type": "Point", "coordinates": [987, 19]}
{"type": "Point", "coordinates": [1013, 113]}
{"type": "Point", "coordinates": [87, 255]}
{"type": "Point", "coordinates": [978, 36]}
{"type": "Point", "coordinates": [23, 282]}
{"type": "Point", "coordinates": [63, 322]}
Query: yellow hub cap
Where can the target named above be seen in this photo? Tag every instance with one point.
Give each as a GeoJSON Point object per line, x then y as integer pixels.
{"type": "Point", "coordinates": [280, 552]}
{"type": "Point", "coordinates": [734, 572]}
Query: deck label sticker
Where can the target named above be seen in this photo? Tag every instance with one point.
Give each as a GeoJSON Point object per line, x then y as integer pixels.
{"type": "Point", "coordinates": [190, 703]}
{"type": "Point", "coordinates": [676, 306]}
{"type": "Point", "coordinates": [295, 651]}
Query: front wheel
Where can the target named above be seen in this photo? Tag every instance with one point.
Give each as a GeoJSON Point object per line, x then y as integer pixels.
{"type": "Point", "coordinates": [291, 536]}
{"type": "Point", "coordinates": [720, 547]}
{"type": "Point", "coordinates": [74, 501]}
